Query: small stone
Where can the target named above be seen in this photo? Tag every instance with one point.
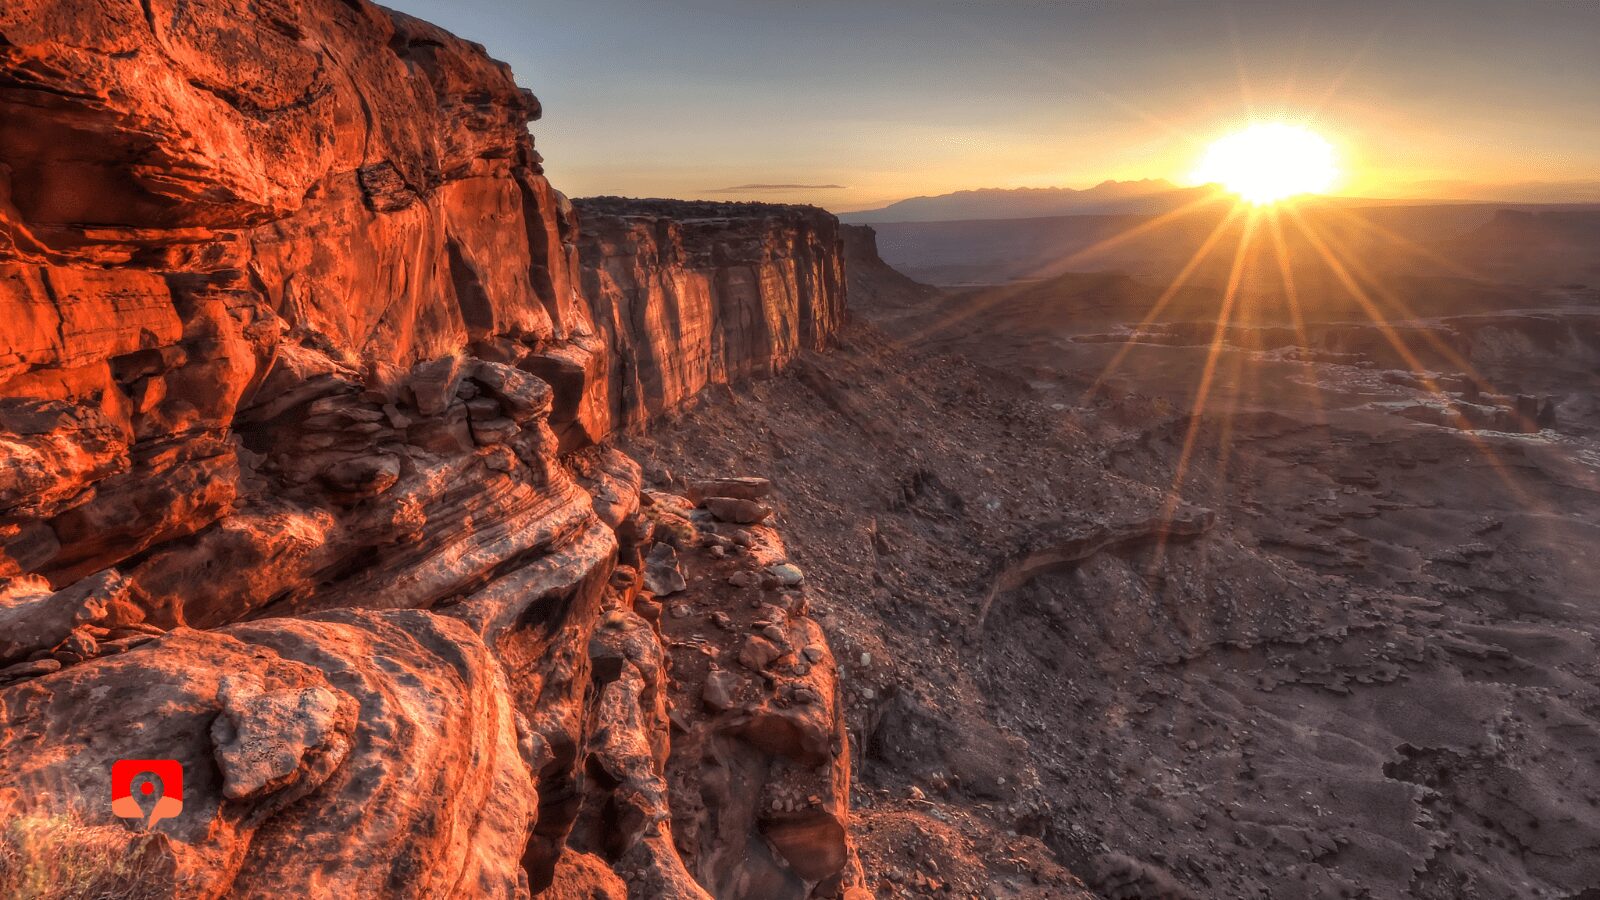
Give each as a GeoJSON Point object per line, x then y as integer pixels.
{"type": "Point", "coordinates": [866, 659]}
{"type": "Point", "coordinates": [719, 690]}
{"type": "Point", "coordinates": [67, 657]}
{"type": "Point", "coordinates": [787, 574]}
{"type": "Point", "coordinates": [758, 652]}
{"type": "Point", "coordinates": [681, 611]}
{"type": "Point", "coordinates": [744, 578]}
{"type": "Point", "coordinates": [814, 654]}
{"type": "Point", "coordinates": [647, 608]}
{"type": "Point", "coordinates": [774, 633]}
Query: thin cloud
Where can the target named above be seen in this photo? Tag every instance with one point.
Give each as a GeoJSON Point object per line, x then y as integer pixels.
{"type": "Point", "coordinates": [774, 188]}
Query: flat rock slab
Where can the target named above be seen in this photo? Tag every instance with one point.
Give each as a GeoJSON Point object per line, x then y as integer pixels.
{"type": "Point", "coordinates": [737, 511]}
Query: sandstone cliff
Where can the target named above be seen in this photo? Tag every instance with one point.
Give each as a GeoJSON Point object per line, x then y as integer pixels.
{"type": "Point", "coordinates": [301, 481]}
{"type": "Point", "coordinates": [689, 294]}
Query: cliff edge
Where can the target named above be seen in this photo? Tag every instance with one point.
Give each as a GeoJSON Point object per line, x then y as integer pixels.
{"type": "Point", "coordinates": [304, 488]}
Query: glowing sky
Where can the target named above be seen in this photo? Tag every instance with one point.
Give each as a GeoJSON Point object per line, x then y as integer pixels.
{"type": "Point", "coordinates": [855, 103]}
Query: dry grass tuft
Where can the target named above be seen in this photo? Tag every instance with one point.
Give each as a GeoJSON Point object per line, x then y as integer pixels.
{"type": "Point", "coordinates": [57, 857]}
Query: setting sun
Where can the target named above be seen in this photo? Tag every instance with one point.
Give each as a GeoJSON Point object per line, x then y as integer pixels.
{"type": "Point", "coordinates": [1269, 162]}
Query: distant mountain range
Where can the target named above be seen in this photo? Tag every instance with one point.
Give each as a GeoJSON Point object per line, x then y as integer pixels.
{"type": "Point", "coordinates": [1149, 196]}
{"type": "Point", "coordinates": [1153, 196]}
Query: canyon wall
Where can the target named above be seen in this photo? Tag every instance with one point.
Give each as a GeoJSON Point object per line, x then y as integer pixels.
{"type": "Point", "coordinates": [302, 482]}
{"type": "Point", "coordinates": [689, 294]}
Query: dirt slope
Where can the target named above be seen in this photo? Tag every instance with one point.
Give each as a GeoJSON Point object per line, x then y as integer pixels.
{"type": "Point", "coordinates": [1357, 659]}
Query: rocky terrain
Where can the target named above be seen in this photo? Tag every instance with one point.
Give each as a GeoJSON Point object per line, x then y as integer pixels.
{"type": "Point", "coordinates": [1351, 655]}
{"type": "Point", "coordinates": [304, 484]}
{"type": "Point", "coordinates": [458, 540]}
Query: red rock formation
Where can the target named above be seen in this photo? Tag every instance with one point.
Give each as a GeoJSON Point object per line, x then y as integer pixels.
{"type": "Point", "coordinates": [690, 294]}
{"type": "Point", "coordinates": [720, 762]}
{"type": "Point", "coordinates": [299, 474]}
{"type": "Point", "coordinates": [290, 712]}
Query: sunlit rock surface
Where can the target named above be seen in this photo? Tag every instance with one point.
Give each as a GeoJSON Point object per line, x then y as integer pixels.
{"type": "Point", "coordinates": [301, 473]}
{"type": "Point", "coordinates": [690, 294]}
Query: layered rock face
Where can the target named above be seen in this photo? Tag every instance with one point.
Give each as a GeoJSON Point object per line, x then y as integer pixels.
{"type": "Point", "coordinates": [689, 294]}
{"type": "Point", "coordinates": [216, 215]}
{"type": "Point", "coordinates": [300, 474]}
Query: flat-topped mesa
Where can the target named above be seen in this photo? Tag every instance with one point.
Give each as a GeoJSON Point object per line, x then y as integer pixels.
{"type": "Point", "coordinates": [695, 293]}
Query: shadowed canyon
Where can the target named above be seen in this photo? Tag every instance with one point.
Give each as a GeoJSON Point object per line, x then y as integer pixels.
{"type": "Point", "coordinates": [398, 527]}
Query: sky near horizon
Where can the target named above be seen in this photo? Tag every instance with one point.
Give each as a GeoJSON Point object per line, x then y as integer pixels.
{"type": "Point", "coordinates": [853, 104]}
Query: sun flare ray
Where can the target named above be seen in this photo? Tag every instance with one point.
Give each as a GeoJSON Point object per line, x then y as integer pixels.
{"type": "Point", "coordinates": [1178, 281]}
{"type": "Point", "coordinates": [1202, 393]}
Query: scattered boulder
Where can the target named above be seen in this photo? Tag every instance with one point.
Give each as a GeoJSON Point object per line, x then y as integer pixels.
{"type": "Point", "coordinates": [743, 488]}
{"type": "Point", "coordinates": [434, 383]}
{"type": "Point", "coordinates": [720, 690]}
{"type": "Point", "coordinates": [662, 576]}
{"type": "Point", "coordinates": [737, 511]}
{"type": "Point", "coordinates": [524, 397]}
{"type": "Point", "coordinates": [787, 574]}
{"type": "Point", "coordinates": [758, 652]}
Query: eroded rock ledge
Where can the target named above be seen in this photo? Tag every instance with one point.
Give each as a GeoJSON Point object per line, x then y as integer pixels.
{"type": "Point", "coordinates": [303, 481]}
